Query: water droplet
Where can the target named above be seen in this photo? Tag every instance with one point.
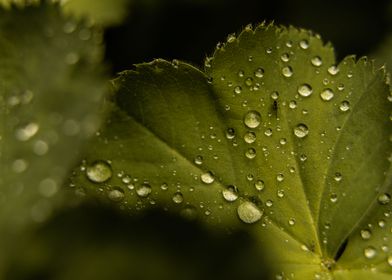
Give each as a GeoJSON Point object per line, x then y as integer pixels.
{"type": "Point", "coordinates": [268, 132]}
{"type": "Point", "coordinates": [237, 90]}
{"type": "Point", "coordinates": [230, 133]}
{"type": "Point", "coordinates": [252, 119]}
{"type": "Point", "coordinates": [250, 137]}
{"type": "Point", "coordinates": [370, 252]}
{"type": "Point", "coordinates": [99, 172]}
{"type": "Point", "coordinates": [280, 193]}
{"type": "Point", "coordinates": [164, 186]}
{"type": "Point", "coordinates": [285, 57]}
{"type": "Point", "coordinates": [198, 160]}
{"type": "Point", "coordinates": [250, 153]}
{"type": "Point", "coordinates": [293, 104]}
{"type": "Point", "coordinates": [269, 203]}
{"type": "Point", "coordinates": [316, 61]}
{"type": "Point", "coordinates": [144, 190]}
{"type": "Point", "coordinates": [249, 213]}
{"type": "Point", "coordinates": [230, 194]}
{"type": "Point", "coordinates": [389, 260]}
{"type": "Point", "coordinates": [283, 141]}
{"type": "Point", "coordinates": [304, 44]}
{"type": "Point", "coordinates": [178, 198]}
{"type": "Point", "coordinates": [333, 70]}
{"type": "Point", "coordinates": [338, 177]}
{"type": "Point", "coordinates": [116, 195]}
{"type": "Point", "coordinates": [366, 234]}
{"type": "Point", "coordinates": [249, 82]}
{"type": "Point", "coordinates": [275, 95]}
{"type": "Point", "coordinates": [384, 198]}
{"type": "Point", "coordinates": [344, 106]}
{"type": "Point", "coordinates": [40, 148]}
{"type": "Point", "coordinates": [280, 177]}
{"type": "Point", "coordinates": [26, 132]}
{"type": "Point", "coordinates": [333, 197]}
{"type": "Point", "coordinates": [303, 157]}
{"type": "Point", "coordinates": [207, 177]}
{"type": "Point", "coordinates": [291, 221]}
{"type": "Point", "coordinates": [287, 71]}
{"type": "Point", "coordinates": [305, 90]}
{"type": "Point", "coordinates": [327, 94]}
{"type": "Point", "coordinates": [259, 185]}
{"type": "Point", "coordinates": [231, 38]}
{"type": "Point", "coordinates": [301, 130]}
{"type": "Point", "coordinates": [259, 73]}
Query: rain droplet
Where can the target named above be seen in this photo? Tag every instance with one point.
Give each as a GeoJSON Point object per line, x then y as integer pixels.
{"type": "Point", "coordinates": [230, 133]}
{"type": "Point", "coordinates": [231, 38]}
{"type": "Point", "coordinates": [304, 44]}
{"type": "Point", "coordinates": [370, 252]}
{"type": "Point", "coordinates": [338, 177]}
{"type": "Point", "coordinates": [249, 213]}
{"type": "Point", "coordinates": [285, 57]}
{"type": "Point", "coordinates": [259, 73]}
{"type": "Point", "coordinates": [301, 130]}
{"type": "Point", "coordinates": [252, 119]}
{"type": "Point", "coordinates": [305, 90]}
{"type": "Point", "coordinates": [268, 132]}
{"type": "Point", "coordinates": [293, 104]}
{"type": "Point", "coordinates": [178, 198]}
{"type": "Point", "coordinates": [333, 70]}
{"type": "Point", "coordinates": [144, 190]}
{"type": "Point", "coordinates": [291, 221]}
{"type": "Point", "coordinates": [316, 61]}
{"type": "Point", "coordinates": [327, 94]}
{"type": "Point", "coordinates": [280, 177]}
{"type": "Point", "coordinates": [26, 132]}
{"type": "Point", "coordinates": [333, 197]}
{"type": "Point", "coordinates": [344, 106]}
{"type": "Point", "coordinates": [389, 260]}
{"type": "Point", "coordinates": [287, 71]}
{"type": "Point", "coordinates": [116, 195]}
{"type": "Point", "coordinates": [198, 160]}
{"type": "Point", "coordinates": [237, 90]}
{"type": "Point", "coordinates": [230, 194]}
{"type": "Point", "coordinates": [250, 137]}
{"type": "Point", "coordinates": [250, 153]}
{"type": "Point", "coordinates": [366, 234]}
{"type": "Point", "coordinates": [207, 177]}
{"type": "Point", "coordinates": [259, 185]}
{"type": "Point", "coordinates": [384, 198]}
{"type": "Point", "coordinates": [249, 82]}
{"type": "Point", "coordinates": [99, 172]}
{"type": "Point", "coordinates": [283, 141]}
{"type": "Point", "coordinates": [275, 95]}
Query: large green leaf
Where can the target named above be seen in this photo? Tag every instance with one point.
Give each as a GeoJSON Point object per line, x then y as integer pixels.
{"type": "Point", "coordinates": [275, 137]}
{"type": "Point", "coordinates": [51, 84]}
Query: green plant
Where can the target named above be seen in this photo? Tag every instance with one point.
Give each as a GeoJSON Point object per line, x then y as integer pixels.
{"type": "Point", "coordinates": [274, 137]}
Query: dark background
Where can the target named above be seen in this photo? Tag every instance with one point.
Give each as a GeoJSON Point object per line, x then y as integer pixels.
{"type": "Point", "coordinates": [189, 29]}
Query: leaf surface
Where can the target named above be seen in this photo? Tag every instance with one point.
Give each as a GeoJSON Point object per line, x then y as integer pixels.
{"type": "Point", "coordinates": [274, 136]}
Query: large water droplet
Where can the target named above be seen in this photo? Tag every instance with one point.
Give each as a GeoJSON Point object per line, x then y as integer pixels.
{"type": "Point", "coordinates": [252, 119]}
{"type": "Point", "coordinates": [316, 61]}
{"type": "Point", "coordinates": [304, 44]}
{"type": "Point", "coordinates": [250, 153]}
{"type": "Point", "coordinates": [301, 130]}
{"type": "Point", "coordinates": [144, 190]}
{"type": "Point", "coordinates": [230, 194]}
{"type": "Point", "coordinates": [207, 177]}
{"type": "Point", "coordinates": [327, 94]}
{"type": "Point", "coordinates": [249, 213]}
{"type": "Point", "coordinates": [99, 172]}
{"type": "Point", "coordinates": [333, 70]}
{"type": "Point", "coordinates": [305, 90]}
{"type": "Point", "coordinates": [250, 137]}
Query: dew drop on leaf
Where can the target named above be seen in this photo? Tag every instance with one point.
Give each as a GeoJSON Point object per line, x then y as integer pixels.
{"type": "Point", "coordinates": [366, 234]}
{"type": "Point", "coordinates": [259, 73]}
{"type": "Point", "coordinates": [198, 160]}
{"type": "Point", "coordinates": [338, 177]}
{"type": "Point", "coordinates": [237, 90]}
{"type": "Point", "coordinates": [344, 106]}
{"type": "Point", "coordinates": [144, 190]}
{"type": "Point", "coordinates": [304, 90]}
{"type": "Point", "coordinates": [280, 177]}
{"type": "Point", "coordinates": [252, 119]}
{"type": "Point", "coordinates": [304, 44]}
{"type": "Point", "coordinates": [230, 194]}
{"type": "Point", "coordinates": [99, 172]}
{"type": "Point", "coordinates": [207, 178]}
{"type": "Point", "coordinates": [301, 130]}
{"type": "Point", "coordinates": [249, 213]}
{"type": "Point", "coordinates": [384, 198]}
{"type": "Point", "coordinates": [287, 71]}
{"type": "Point", "coordinates": [26, 132]}
{"type": "Point", "coordinates": [316, 61]}
{"type": "Point", "coordinates": [369, 252]}
{"type": "Point", "coordinates": [250, 153]}
{"type": "Point", "coordinates": [327, 94]}
{"type": "Point", "coordinates": [116, 195]}
{"type": "Point", "coordinates": [293, 104]}
{"type": "Point", "coordinates": [259, 185]}
{"type": "Point", "coordinates": [178, 198]}
{"type": "Point", "coordinates": [389, 260]}
{"type": "Point", "coordinates": [250, 137]}
{"type": "Point", "coordinates": [230, 133]}
{"type": "Point", "coordinates": [333, 70]}
{"type": "Point", "coordinates": [291, 221]}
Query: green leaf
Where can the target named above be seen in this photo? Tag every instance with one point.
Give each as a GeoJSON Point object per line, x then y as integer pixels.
{"type": "Point", "coordinates": [275, 137]}
{"type": "Point", "coordinates": [51, 85]}
{"type": "Point", "coordinates": [103, 12]}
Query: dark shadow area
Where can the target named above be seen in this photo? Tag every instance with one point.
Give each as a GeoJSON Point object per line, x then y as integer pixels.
{"type": "Point", "coordinates": [94, 242]}
{"type": "Point", "coordinates": [189, 29]}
